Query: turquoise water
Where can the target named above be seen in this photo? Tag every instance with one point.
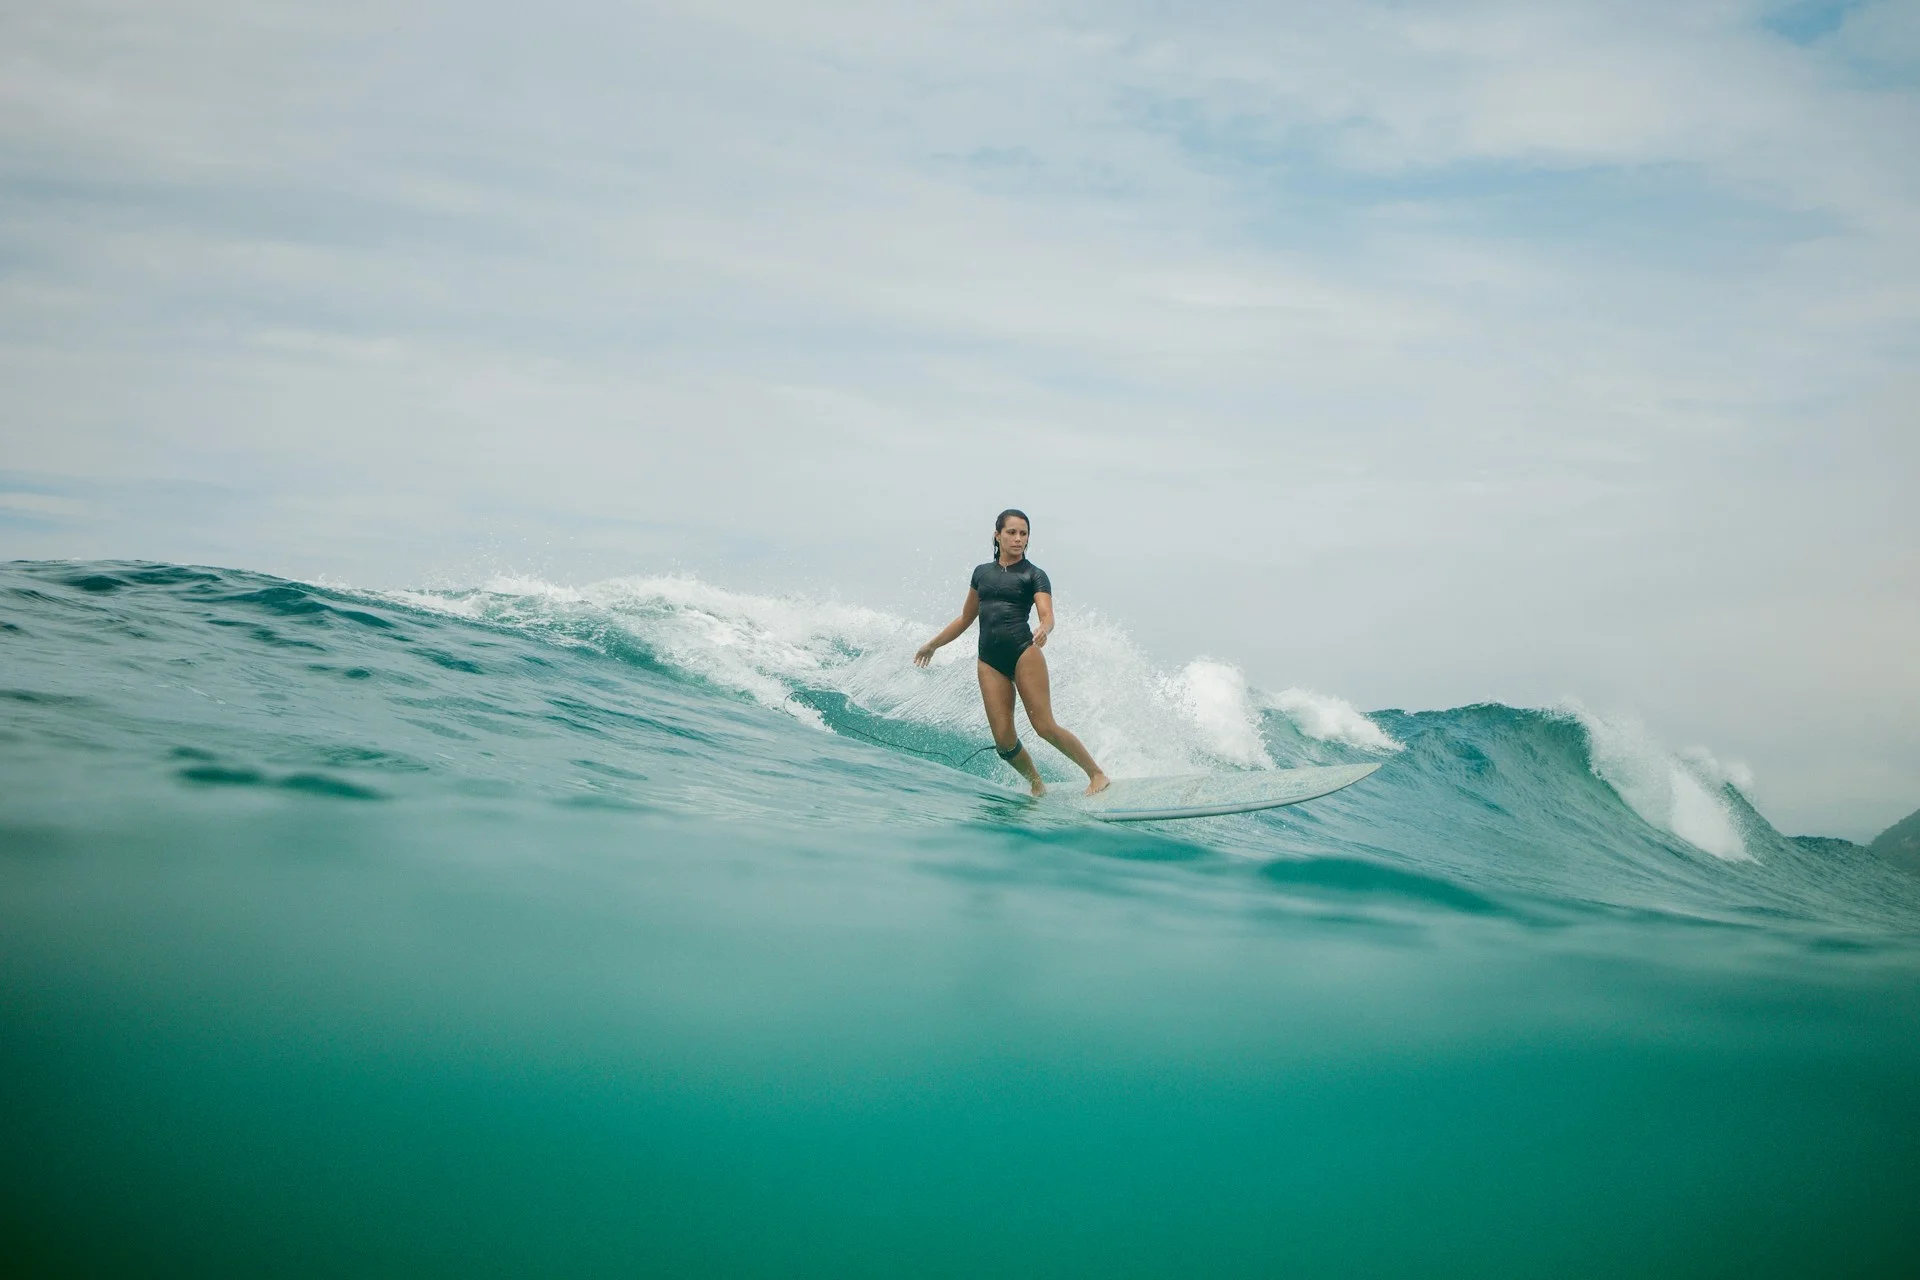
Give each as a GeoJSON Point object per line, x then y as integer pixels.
{"type": "Point", "coordinates": [652, 929]}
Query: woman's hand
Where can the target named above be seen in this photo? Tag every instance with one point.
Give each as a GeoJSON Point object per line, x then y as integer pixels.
{"type": "Point", "coordinates": [968, 612]}
{"type": "Point", "coordinates": [1040, 637]}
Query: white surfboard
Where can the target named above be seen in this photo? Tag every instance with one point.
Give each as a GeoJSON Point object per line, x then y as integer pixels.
{"type": "Point", "coordinates": [1207, 795]}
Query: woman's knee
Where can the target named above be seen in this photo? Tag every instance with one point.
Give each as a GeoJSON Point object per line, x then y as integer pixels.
{"type": "Point", "coordinates": [1046, 727]}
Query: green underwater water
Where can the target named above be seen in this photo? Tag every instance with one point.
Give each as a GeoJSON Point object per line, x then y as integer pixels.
{"type": "Point", "coordinates": [344, 934]}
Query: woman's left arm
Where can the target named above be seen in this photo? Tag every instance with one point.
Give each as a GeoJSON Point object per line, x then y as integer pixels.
{"type": "Point", "coordinates": [1043, 605]}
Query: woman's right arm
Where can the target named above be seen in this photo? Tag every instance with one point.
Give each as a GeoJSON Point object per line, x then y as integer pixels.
{"type": "Point", "coordinates": [951, 632]}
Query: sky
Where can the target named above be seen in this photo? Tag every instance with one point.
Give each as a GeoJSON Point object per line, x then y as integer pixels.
{"type": "Point", "coordinates": [1423, 354]}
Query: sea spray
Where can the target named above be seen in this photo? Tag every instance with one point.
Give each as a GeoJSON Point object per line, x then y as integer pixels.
{"type": "Point", "coordinates": [1331, 719]}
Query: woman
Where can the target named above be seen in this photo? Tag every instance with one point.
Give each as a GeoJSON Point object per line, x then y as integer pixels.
{"type": "Point", "coordinates": [1003, 590]}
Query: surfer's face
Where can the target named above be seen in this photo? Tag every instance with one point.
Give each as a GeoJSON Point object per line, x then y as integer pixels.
{"type": "Point", "coordinates": [1013, 537]}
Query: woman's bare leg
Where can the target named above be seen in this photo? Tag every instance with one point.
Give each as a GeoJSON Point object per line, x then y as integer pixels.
{"type": "Point", "coordinates": [1036, 692]}
{"type": "Point", "coordinates": [996, 691]}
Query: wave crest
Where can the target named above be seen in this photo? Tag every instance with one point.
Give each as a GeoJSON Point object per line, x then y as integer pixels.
{"type": "Point", "coordinates": [1684, 794]}
{"type": "Point", "coordinates": [1329, 719]}
{"type": "Point", "coordinates": [777, 650]}
{"type": "Point", "coordinates": [786, 652]}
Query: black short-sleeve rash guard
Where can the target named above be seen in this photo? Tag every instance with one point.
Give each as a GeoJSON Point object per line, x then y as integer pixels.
{"type": "Point", "coordinates": [1006, 596]}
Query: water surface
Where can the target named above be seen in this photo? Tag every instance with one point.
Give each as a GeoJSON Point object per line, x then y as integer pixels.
{"type": "Point", "coordinates": [653, 929]}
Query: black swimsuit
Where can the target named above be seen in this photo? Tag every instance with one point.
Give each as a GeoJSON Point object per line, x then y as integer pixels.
{"type": "Point", "coordinates": [1006, 594]}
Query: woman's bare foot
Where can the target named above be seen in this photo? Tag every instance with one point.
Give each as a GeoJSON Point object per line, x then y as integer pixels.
{"type": "Point", "coordinates": [1039, 787]}
{"type": "Point", "coordinates": [1097, 783]}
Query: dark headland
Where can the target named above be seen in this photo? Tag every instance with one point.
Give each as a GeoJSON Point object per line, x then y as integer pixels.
{"type": "Point", "coordinates": [1900, 843]}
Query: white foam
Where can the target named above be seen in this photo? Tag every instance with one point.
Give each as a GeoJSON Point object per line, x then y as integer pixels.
{"type": "Point", "coordinates": [1136, 719]}
{"type": "Point", "coordinates": [1214, 698]}
{"type": "Point", "coordinates": [1682, 794]}
{"type": "Point", "coordinates": [1331, 719]}
{"type": "Point", "coordinates": [1728, 773]}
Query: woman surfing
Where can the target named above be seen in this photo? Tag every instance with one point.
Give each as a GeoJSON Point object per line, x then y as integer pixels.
{"type": "Point", "coordinates": [1003, 590]}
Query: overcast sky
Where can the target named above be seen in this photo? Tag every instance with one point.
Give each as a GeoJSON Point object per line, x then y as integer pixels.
{"type": "Point", "coordinates": [1420, 353]}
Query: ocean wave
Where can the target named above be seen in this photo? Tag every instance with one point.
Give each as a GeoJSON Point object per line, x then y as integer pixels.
{"type": "Point", "coordinates": [1138, 719]}
{"type": "Point", "coordinates": [672, 694]}
{"type": "Point", "coordinates": [786, 652]}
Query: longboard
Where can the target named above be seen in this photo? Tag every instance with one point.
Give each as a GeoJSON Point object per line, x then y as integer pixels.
{"type": "Point", "coordinates": [1207, 795]}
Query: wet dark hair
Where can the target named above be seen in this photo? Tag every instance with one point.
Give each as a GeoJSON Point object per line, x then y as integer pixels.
{"type": "Point", "coordinates": [1000, 522]}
